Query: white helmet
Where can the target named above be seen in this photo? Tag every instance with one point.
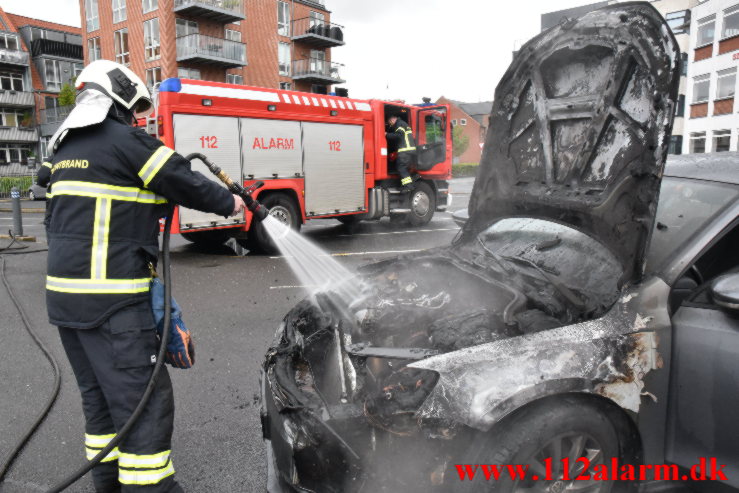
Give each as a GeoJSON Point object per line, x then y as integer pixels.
{"type": "Point", "coordinates": [119, 83]}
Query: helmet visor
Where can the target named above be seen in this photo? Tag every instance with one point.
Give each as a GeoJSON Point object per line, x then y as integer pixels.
{"type": "Point", "coordinates": [143, 108]}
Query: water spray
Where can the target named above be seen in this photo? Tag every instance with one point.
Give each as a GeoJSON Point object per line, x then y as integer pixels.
{"type": "Point", "coordinates": [258, 210]}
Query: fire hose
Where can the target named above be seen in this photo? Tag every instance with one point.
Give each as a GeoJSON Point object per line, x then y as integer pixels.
{"type": "Point", "coordinates": [259, 212]}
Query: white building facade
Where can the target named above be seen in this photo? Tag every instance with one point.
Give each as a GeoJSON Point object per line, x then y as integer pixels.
{"type": "Point", "coordinates": [712, 122]}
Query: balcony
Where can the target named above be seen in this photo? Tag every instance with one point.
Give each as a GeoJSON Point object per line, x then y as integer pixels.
{"type": "Point", "coordinates": [199, 48]}
{"type": "Point", "coordinates": [60, 49]}
{"type": "Point", "coordinates": [51, 118]}
{"type": "Point", "coordinates": [13, 57]}
{"type": "Point", "coordinates": [19, 134]}
{"type": "Point", "coordinates": [316, 33]}
{"type": "Point", "coordinates": [223, 11]}
{"type": "Point", "coordinates": [16, 99]}
{"type": "Point", "coordinates": [317, 71]}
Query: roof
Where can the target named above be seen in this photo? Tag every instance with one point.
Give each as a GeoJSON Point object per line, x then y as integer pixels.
{"type": "Point", "coordinates": [716, 166]}
{"type": "Point", "coordinates": [20, 21]}
{"type": "Point", "coordinates": [475, 109]}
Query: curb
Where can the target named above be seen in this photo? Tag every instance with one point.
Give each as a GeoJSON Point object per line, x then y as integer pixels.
{"type": "Point", "coordinates": [18, 238]}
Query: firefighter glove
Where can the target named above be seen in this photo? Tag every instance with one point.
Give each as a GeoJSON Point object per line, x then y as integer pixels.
{"type": "Point", "coordinates": [180, 351]}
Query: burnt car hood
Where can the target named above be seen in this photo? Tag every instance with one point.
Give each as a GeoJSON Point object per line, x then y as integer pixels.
{"type": "Point", "coordinates": [580, 128]}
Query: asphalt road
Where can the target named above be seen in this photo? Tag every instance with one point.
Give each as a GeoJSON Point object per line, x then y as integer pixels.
{"type": "Point", "coordinates": [232, 303]}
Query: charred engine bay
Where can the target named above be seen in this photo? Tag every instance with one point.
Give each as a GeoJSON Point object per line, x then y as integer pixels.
{"type": "Point", "coordinates": [341, 366]}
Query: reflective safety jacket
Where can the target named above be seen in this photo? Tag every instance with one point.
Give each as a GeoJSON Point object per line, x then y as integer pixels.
{"type": "Point", "coordinates": [109, 186]}
{"type": "Point", "coordinates": [402, 134]}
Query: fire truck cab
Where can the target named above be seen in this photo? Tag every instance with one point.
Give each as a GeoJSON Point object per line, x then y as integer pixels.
{"type": "Point", "coordinates": [319, 156]}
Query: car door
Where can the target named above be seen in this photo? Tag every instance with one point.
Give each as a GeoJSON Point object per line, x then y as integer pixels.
{"type": "Point", "coordinates": [704, 381]}
{"type": "Point", "coordinates": [431, 132]}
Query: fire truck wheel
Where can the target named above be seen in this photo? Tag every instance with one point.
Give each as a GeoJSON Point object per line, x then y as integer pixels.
{"type": "Point", "coordinates": [282, 207]}
{"type": "Point", "coordinates": [422, 204]}
{"type": "Point", "coordinates": [213, 237]}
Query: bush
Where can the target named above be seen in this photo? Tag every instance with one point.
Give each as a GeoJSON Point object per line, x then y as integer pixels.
{"type": "Point", "coordinates": [22, 182]}
{"type": "Point", "coordinates": [462, 170]}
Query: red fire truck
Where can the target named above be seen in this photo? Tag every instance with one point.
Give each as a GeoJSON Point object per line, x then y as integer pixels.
{"type": "Point", "coordinates": [319, 156]}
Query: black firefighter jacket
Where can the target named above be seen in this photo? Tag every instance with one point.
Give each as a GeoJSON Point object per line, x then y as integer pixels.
{"type": "Point", "coordinates": [109, 186]}
{"type": "Point", "coordinates": [401, 135]}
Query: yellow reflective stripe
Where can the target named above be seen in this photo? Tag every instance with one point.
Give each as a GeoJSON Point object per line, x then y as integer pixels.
{"type": "Point", "coordinates": [152, 461]}
{"type": "Point", "coordinates": [407, 132]}
{"type": "Point", "coordinates": [101, 230]}
{"type": "Point", "coordinates": [406, 180]}
{"type": "Point", "coordinates": [98, 440]}
{"type": "Point", "coordinates": [149, 170]}
{"type": "Point", "coordinates": [103, 191]}
{"type": "Point", "coordinates": [46, 164]}
{"type": "Point", "coordinates": [97, 286]}
{"type": "Point", "coordinates": [92, 452]}
{"type": "Point", "coordinates": [143, 476]}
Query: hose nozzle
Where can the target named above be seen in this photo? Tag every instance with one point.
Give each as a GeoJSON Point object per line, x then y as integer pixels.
{"type": "Point", "coordinates": [259, 212]}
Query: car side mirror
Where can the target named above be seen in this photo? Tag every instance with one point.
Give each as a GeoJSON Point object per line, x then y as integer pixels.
{"type": "Point", "coordinates": [725, 292]}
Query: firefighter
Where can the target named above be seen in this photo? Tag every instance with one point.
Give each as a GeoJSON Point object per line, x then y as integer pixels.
{"type": "Point", "coordinates": [400, 133]}
{"type": "Point", "coordinates": [110, 183]}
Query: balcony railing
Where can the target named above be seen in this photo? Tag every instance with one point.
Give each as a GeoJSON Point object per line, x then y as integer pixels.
{"type": "Point", "coordinates": [317, 71]}
{"type": "Point", "coordinates": [55, 115]}
{"type": "Point", "coordinates": [16, 99]}
{"type": "Point", "coordinates": [224, 11]}
{"type": "Point", "coordinates": [23, 134]}
{"type": "Point", "coordinates": [56, 48]}
{"type": "Point", "coordinates": [199, 48]}
{"type": "Point", "coordinates": [13, 57]}
{"type": "Point", "coordinates": [317, 33]}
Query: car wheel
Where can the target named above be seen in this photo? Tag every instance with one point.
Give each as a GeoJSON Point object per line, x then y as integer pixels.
{"type": "Point", "coordinates": [562, 429]}
{"type": "Point", "coordinates": [213, 237]}
{"type": "Point", "coordinates": [422, 204]}
{"type": "Point", "coordinates": [281, 207]}
{"type": "Point", "coordinates": [31, 195]}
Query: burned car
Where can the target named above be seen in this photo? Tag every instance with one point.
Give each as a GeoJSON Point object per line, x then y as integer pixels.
{"type": "Point", "coordinates": [550, 333]}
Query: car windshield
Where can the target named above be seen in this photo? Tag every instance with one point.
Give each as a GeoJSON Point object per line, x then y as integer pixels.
{"type": "Point", "coordinates": [685, 208]}
{"type": "Point", "coordinates": [557, 251]}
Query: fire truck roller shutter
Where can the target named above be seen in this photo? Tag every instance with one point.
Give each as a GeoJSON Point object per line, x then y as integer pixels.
{"type": "Point", "coordinates": [271, 147]}
{"type": "Point", "coordinates": [217, 137]}
{"type": "Point", "coordinates": [334, 168]}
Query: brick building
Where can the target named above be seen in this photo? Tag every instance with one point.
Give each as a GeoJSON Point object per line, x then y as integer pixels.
{"type": "Point", "coordinates": [267, 43]}
{"type": "Point", "coordinates": [474, 119]}
{"type": "Point", "coordinates": [36, 59]}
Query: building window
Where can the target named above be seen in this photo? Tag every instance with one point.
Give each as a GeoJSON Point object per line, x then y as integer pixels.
{"type": "Point", "coordinates": [11, 81]}
{"type": "Point", "coordinates": [463, 121]}
{"type": "Point", "coordinates": [119, 11]}
{"type": "Point", "coordinates": [698, 142]}
{"type": "Point", "coordinates": [454, 122]}
{"type": "Point", "coordinates": [149, 5]}
{"type": "Point", "coordinates": [185, 27]}
{"type": "Point", "coordinates": [91, 15]}
{"type": "Point", "coordinates": [317, 19]}
{"type": "Point", "coordinates": [721, 140]}
{"type": "Point", "coordinates": [701, 85]}
{"type": "Point", "coordinates": [676, 144]}
{"type": "Point", "coordinates": [93, 48]}
{"type": "Point", "coordinates": [706, 30]}
{"type": "Point", "coordinates": [120, 40]}
{"type": "Point", "coordinates": [683, 64]}
{"type": "Point", "coordinates": [232, 35]}
{"type": "Point", "coordinates": [10, 118]}
{"type": "Point", "coordinates": [14, 153]}
{"type": "Point", "coordinates": [283, 58]}
{"type": "Point", "coordinates": [679, 21]}
{"type": "Point", "coordinates": [680, 106]}
{"type": "Point", "coordinates": [286, 86]}
{"type": "Point", "coordinates": [45, 154]}
{"type": "Point", "coordinates": [317, 61]}
{"type": "Point", "coordinates": [151, 39]}
{"type": "Point", "coordinates": [234, 79]}
{"type": "Point", "coordinates": [77, 68]}
{"type": "Point", "coordinates": [726, 82]}
{"type": "Point", "coordinates": [188, 73]}
{"type": "Point", "coordinates": [52, 75]}
{"type": "Point", "coordinates": [153, 77]}
{"type": "Point", "coordinates": [283, 18]}
{"type": "Point", "coordinates": [8, 41]}
{"type": "Point", "coordinates": [730, 26]}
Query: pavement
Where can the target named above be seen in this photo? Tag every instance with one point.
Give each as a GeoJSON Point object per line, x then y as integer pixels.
{"type": "Point", "coordinates": [233, 304]}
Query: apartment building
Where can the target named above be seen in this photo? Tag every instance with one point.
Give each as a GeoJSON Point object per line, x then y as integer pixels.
{"type": "Point", "coordinates": [267, 43]}
{"type": "Point", "coordinates": [677, 13]}
{"type": "Point", "coordinates": [473, 119]}
{"type": "Point", "coordinates": [713, 123]}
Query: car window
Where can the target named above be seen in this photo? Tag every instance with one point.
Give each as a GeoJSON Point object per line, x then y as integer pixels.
{"type": "Point", "coordinates": [685, 208]}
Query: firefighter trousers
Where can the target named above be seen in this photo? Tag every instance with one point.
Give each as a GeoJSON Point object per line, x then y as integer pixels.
{"type": "Point", "coordinates": [112, 364]}
{"type": "Point", "coordinates": [403, 163]}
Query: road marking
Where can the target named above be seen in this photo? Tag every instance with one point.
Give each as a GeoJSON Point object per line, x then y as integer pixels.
{"type": "Point", "coordinates": [403, 232]}
{"type": "Point", "coordinates": [351, 254]}
{"type": "Point", "coordinates": [308, 286]}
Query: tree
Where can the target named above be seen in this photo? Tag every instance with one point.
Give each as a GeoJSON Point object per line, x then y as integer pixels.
{"type": "Point", "coordinates": [460, 141]}
{"type": "Point", "coordinates": [67, 95]}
